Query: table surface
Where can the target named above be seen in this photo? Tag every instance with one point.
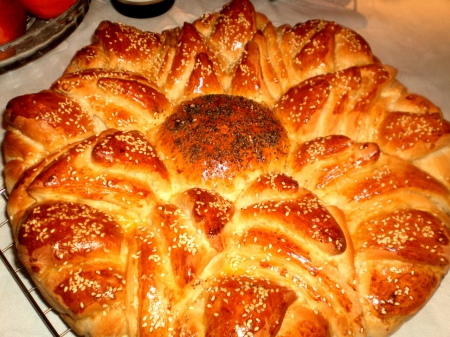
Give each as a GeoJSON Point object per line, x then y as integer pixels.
{"type": "Point", "coordinates": [411, 35]}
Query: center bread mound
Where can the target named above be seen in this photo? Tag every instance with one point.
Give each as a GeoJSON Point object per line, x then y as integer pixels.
{"type": "Point", "coordinates": [230, 178]}
{"type": "Point", "coordinates": [221, 140]}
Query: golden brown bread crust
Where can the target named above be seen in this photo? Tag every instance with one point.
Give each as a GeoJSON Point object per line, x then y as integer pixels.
{"type": "Point", "coordinates": [230, 177]}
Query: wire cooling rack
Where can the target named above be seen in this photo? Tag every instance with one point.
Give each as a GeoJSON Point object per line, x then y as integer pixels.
{"type": "Point", "coordinates": [51, 319]}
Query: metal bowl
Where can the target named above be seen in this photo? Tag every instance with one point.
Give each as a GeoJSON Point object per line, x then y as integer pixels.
{"type": "Point", "coordinates": [41, 37]}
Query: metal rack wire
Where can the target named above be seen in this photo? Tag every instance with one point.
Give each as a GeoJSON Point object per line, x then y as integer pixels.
{"type": "Point", "coordinates": [51, 319]}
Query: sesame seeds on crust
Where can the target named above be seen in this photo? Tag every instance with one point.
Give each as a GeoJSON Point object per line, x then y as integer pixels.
{"type": "Point", "coordinates": [231, 171]}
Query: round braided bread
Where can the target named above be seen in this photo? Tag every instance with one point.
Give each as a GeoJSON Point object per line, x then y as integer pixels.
{"type": "Point", "coordinates": [230, 178]}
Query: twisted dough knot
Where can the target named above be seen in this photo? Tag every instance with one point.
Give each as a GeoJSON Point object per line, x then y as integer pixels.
{"type": "Point", "coordinates": [229, 177]}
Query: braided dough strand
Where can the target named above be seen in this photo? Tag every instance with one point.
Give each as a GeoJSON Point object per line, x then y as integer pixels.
{"type": "Point", "coordinates": [230, 178]}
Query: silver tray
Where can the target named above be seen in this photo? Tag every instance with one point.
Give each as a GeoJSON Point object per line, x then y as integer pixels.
{"type": "Point", "coordinates": [41, 37]}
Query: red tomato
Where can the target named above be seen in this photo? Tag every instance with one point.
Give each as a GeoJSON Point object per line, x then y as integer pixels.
{"type": "Point", "coordinates": [47, 9]}
{"type": "Point", "coordinates": [13, 20]}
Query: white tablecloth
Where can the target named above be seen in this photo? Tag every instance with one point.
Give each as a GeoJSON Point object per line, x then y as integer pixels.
{"type": "Point", "coordinates": [411, 35]}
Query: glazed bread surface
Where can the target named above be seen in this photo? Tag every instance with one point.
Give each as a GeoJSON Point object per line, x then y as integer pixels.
{"type": "Point", "coordinates": [230, 178]}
